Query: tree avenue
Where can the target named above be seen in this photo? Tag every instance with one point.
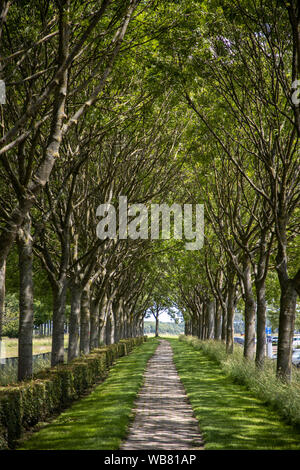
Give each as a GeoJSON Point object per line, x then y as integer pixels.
{"type": "Point", "coordinates": [190, 102]}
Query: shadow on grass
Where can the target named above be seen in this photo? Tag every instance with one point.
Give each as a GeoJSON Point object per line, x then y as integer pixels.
{"type": "Point", "coordinates": [100, 420]}
{"type": "Point", "coordinates": [230, 417]}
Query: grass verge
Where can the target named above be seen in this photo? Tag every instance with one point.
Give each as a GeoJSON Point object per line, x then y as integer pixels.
{"type": "Point", "coordinates": [284, 398]}
{"type": "Point", "coordinates": [229, 415]}
{"type": "Point", "coordinates": [100, 420]}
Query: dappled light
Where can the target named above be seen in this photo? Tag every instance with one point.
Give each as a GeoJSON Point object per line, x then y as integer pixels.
{"type": "Point", "coordinates": [230, 416]}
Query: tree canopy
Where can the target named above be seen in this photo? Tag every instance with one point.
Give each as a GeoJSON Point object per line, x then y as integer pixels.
{"type": "Point", "coordinates": [175, 103]}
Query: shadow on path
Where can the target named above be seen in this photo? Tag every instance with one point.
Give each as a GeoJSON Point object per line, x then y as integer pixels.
{"type": "Point", "coordinates": [164, 418]}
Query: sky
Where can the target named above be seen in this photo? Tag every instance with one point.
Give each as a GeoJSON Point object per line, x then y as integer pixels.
{"type": "Point", "coordinates": [163, 317]}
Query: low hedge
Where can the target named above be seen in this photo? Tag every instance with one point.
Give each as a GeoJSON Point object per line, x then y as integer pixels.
{"type": "Point", "coordinates": [25, 404]}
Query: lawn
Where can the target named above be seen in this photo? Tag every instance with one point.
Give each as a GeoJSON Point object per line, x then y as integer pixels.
{"type": "Point", "coordinates": [100, 420]}
{"type": "Point", "coordinates": [229, 416]}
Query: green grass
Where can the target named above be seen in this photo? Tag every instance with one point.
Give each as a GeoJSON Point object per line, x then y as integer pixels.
{"type": "Point", "coordinates": [100, 420]}
{"type": "Point", "coordinates": [263, 383]}
{"type": "Point", "coordinates": [230, 417]}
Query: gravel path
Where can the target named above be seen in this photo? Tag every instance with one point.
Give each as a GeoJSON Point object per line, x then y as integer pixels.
{"type": "Point", "coordinates": [164, 418]}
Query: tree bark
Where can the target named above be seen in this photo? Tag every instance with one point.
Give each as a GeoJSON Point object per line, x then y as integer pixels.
{"type": "Point", "coordinates": [25, 302]}
{"type": "Point", "coordinates": [125, 320]}
{"type": "Point", "coordinates": [141, 333]}
{"type": "Point", "coordinates": [102, 332]}
{"type": "Point", "coordinates": [261, 319]}
{"type": "Point", "coordinates": [261, 305]}
{"type": "Point", "coordinates": [2, 300]}
{"type": "Point", "coordinates": [59, 307]}
{"type": "Point", "coordinates": [112, 332]}
{"type": "Point", "coordinates": [250, 311]}
{"type": "Point", "coordinates": [288, 302]}
{"type": "Point", "coordinates": [122, 327]}
{"type": "Point", "coordinates": [84, 345]}
{"type": "Point", "coordinates": [117, 325]}
{"type": "Point", "coordinates": [108, 330]}
{"type": "Point", "coordinates": [110, 324]}
{"type": "Point", "coordinates": [210, 319]}
{"type": "Point", "coordinates": [290, 289]}
{"type": "Point", "coordinates": [102, 320]}
{"type": "Point", "coordinates": [224, 321]}
{"type": "Point", "coordinates": [157, 325]}
{"type": "Point", "coordinates": [230, 311]}
{"type": "Point", "coordinates": [95, 320]}
{"type": "Point", "coordinates": [218, 321]}
{"type": "Point", "coordinates": [73, 349]}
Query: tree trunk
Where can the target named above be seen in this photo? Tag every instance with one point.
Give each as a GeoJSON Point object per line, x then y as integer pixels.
{"type": "Point", "coordinates": [141, 333]}
{"type": "Point", "coordinates": [230, 313]}
{"type": "Point", "coordinates": [108, 330]}
{"type": "Point", "coordinates": [136, 328]}
{"type": "Point", "coordinates": [218, 321]}
{"type": "Point", "coordinates": [110, 324]}
{"type": "Point", "coordinates": [2, 300]}
{"type": "Point", "coordinates": [157, 325]}
{"type": "Point", "coordinates": [290, 289]}
{"type": "Point", "coordinates": [210, 319]}
{"type": "Point", "coordinates": [288, 302]}
{"type": "Point", "coordinates": [73, 349]}
{"type": "Point", "coordinates": [186, 327]}
{"type": "Point", "coordinates": [117, 313]}
{"type": "Point", "coordinates": [250, 311]}
{"type": "Point", "coordinates": [123, 324]}
{"type": "Point", "coordinates": [195, 325]}
{"type": "Point", "coordinates": [112, 332]}
{"type": "Point", "coordinates": [129, 326]}
{"type": "Point", "coordinates": [125, 320]}
{"type": "Point", "coordinates": [59, 307]}
{"type": "Point", "coordinates": [117, 326]}
{"type": "Point", "coordinates": [204, 321]}
{"type": "Point", "coordinates": [224, 321]}
{"type": "Point", "coordinates": [201, 323]}
{"type": "Point", "coordinates": [261, 306]}
{"type": "Point", "coordinates": [102, 332]}
{"type": "Point", "coordinates": [84, 345]}
{"type": "Point", "coordinates": [261, 319]}
{"type": "Point", "coordinates": [94, 338]}
{"type": "Point", "coordinates": [25, 302]}
{"type": "Point", "coordinates": [103, 313]}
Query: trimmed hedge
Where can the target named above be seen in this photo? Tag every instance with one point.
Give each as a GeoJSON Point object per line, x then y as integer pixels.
{"type": "Point", "coordinates": [25, 404]}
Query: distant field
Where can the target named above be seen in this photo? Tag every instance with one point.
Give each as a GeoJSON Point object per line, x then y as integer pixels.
{"type": "Point", "coordinates": [162, 335]}
{"type": "Point", "coordinates": [165, 328]}
{"type": "Point", "coordinates": [40, 345]}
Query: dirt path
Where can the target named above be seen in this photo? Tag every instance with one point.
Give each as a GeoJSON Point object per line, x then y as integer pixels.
{"type": "Point", "coordinates": [164, 418]}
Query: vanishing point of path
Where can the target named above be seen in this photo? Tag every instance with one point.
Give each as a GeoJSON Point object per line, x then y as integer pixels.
{"type": "Point", "coordinates": [164, 418]}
